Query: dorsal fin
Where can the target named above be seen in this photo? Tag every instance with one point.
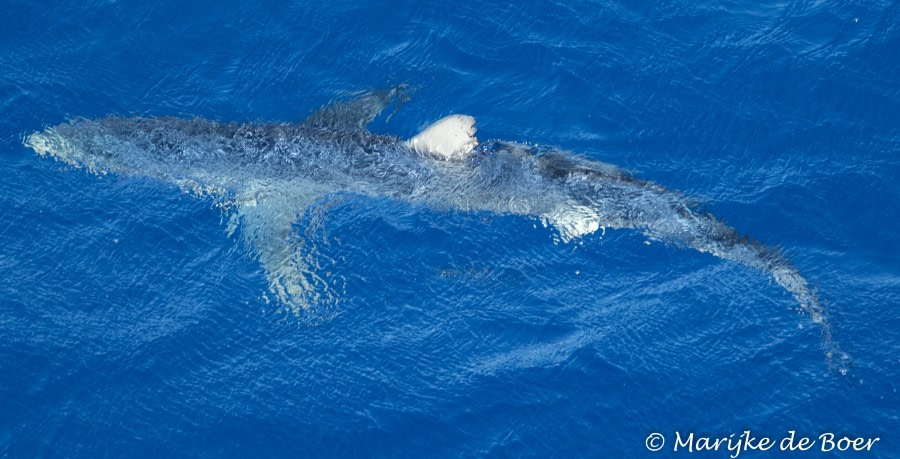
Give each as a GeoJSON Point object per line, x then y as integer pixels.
{"type": "Point", "coordinates": [451, 137]}
{"type": "Point", "coordinates": [355, 114]}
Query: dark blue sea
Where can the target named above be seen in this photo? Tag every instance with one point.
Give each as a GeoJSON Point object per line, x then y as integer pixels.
{"type": "Point", "coordinates": [133, 324]}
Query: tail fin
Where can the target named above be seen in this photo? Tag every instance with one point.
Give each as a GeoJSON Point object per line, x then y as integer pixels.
{"type": "Point", "coordinates": [724, 242]}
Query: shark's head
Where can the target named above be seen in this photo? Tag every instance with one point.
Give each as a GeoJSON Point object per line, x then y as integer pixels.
{"type": "Point", "coordinates": [39, 142]}
{"type": "Point", "coordinates": [451, 137]}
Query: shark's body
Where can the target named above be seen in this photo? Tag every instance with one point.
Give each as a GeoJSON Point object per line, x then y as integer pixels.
{"type": "Point", "coordinates": [271, 172]}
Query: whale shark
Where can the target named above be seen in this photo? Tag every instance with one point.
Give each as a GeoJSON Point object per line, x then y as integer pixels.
{"type": "Point", "coordinates": [266, 175]}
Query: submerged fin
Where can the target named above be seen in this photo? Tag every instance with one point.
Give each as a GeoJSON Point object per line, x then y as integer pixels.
{"type": "Point", "coordinates": [355, 114]}
{"type": "Point", "coordinates": [451, 137]}
{"type": "Point", "coordinates": [287, 255]}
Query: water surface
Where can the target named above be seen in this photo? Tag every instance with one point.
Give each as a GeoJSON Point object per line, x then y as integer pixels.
{"type": "Point", "coordinates": [132, 324]}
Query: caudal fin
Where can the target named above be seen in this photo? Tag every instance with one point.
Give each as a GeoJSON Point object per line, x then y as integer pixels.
{"type": "Point", "coordinates": [725, 242]}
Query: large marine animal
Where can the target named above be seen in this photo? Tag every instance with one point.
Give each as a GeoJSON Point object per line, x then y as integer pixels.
{"type": "Point", "coordinates": [268, 174]}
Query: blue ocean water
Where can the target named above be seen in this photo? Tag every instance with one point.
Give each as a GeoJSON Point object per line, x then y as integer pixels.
{"type": "Point", "coordinates": [131, 324]}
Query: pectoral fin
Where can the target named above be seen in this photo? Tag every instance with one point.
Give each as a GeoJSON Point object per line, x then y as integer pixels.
{"type": "Point", "coordinates": [355, 114]}
{"type": "Point", "coordinates": [288, 255]}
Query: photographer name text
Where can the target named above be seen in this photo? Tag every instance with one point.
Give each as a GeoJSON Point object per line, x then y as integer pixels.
{"type": "Point", "coordinates": [736, 444]}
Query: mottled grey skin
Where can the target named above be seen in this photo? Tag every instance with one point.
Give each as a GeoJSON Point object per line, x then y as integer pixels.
{"type": "Point", "coordinates": [271, 172]}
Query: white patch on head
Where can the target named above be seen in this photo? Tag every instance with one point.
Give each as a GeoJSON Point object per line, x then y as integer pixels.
{"type": "Point", "coordinates": [50, 143]}
{"type": "Point", "coordinates": [451, 137]}
{"type": "Point", "coordinates": [39, 143]}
